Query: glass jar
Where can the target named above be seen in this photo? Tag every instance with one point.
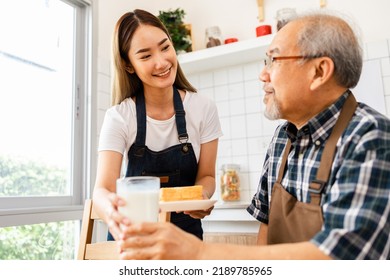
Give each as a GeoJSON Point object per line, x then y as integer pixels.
{"type": "Point", "coordinates": [283, 16]}
{"type": "Point", "coordinates": [230, 182]}
{"type": "Point", "coordinates": [213, 37]}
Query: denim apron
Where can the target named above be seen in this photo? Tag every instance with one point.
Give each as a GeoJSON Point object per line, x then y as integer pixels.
{"type": "Point", "coordinates": [176, 166]}
{"type": "Point", "coordinates": [295, 221]}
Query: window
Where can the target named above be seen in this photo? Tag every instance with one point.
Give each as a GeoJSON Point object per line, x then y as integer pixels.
{"type": "Point", "coordinates": [44, 69]}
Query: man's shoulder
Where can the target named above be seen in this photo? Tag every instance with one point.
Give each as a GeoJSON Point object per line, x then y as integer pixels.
{"type": "Point", "coordinates": [368, 129]}
{"type": "Point", "coordinates": [368, 118]}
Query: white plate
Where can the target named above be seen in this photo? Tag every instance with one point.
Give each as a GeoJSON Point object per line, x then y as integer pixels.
{"type": "Point", "coordinates": [186, 205]}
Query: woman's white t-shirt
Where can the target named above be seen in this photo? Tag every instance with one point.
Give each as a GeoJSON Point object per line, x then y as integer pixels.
{"type": "Point", "coordinates": [119, 127]}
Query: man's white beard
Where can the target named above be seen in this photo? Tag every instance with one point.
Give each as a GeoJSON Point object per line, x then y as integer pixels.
{"type": "Point", "coordinates": [272, 112]}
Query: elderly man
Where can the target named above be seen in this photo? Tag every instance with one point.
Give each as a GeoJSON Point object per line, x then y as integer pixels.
{"type": "Point", "coordinates": [325, 187]}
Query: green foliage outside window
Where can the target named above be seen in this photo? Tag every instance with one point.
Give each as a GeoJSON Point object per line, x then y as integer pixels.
{"type": "Point", "coordinates": [28, 178]}
{"type": "Point", "coordinates": [40, 241]}
{"type": "Point", "coordinates": [52, 241]}
{"type": "Point", "coordinates": [173, 21]}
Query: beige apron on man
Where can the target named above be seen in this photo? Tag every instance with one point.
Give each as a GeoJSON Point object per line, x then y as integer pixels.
{"type": "Point", "coordinates": [295, 221]}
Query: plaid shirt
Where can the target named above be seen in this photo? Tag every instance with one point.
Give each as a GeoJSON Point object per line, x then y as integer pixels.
{"type": "Point", "coordinates": [356, 201]}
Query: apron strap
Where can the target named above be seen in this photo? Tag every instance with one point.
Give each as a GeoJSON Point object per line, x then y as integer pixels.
{"type": "Point", "coordinates": [317, 186]}
{"type": "Point", "coordinates": [179, 118]}
{"type": "Point", "coordinates": [141, 119]}
{"type": "Point", "coordinates": [284, 161]}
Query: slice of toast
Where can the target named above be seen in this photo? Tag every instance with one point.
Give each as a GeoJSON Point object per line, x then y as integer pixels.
{"type": "Point", "coordinates": [181, 193]}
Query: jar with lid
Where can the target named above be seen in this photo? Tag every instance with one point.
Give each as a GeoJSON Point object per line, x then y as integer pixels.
{"type": "Point", "coordinates": [230, 182]}
{"type": "Point", "coordinates": [213, 37]}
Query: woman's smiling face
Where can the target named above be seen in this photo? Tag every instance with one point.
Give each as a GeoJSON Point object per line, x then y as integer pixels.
{"type": "Point", "coordinates": [153, 57]}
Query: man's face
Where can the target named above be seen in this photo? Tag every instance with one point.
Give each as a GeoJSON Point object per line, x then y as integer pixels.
{"type": "Point", "coordinates": [286, 81]}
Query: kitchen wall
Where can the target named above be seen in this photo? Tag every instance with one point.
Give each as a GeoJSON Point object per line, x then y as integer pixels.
{"type": "Point", "coordinates": [239, 18]}
{"type": "Point", "coordinates": [236, 90]}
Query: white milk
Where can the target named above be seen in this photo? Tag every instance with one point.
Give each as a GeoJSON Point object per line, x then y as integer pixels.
{"type": "Point", "coordinates": [141, 206]}
{"type": "Point", "coordinates": [142, 198]}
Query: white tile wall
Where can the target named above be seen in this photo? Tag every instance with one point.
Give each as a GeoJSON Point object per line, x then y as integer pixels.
{"type": "Point", "coordinates": [238, 95]}
{"type": "Point", "coordinates": [385, 65]}
{"type": "Point", "coordinates": [377, 49]}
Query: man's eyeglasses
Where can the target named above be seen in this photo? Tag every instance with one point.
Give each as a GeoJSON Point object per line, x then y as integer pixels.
{"type": "Point", "coordinates": [269, 60]}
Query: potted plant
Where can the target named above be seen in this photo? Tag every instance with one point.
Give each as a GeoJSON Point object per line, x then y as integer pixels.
{"type": "Point", "coordinates": [180, 34]}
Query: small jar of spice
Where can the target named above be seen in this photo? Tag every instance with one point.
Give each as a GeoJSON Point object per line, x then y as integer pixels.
{"type": "Point", "coordinates": [230, 182]}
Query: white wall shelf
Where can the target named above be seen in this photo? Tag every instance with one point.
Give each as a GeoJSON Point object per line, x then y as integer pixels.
{"type": "Point", "coordinates": [225, 55]}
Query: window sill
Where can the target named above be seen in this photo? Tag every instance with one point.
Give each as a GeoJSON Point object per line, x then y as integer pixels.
{"type": "Point", "coordinates": [40, 215]}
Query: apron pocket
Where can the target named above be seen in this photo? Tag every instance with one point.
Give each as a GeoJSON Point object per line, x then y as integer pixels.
{"type": "Point", "coordinates": [167, 179]}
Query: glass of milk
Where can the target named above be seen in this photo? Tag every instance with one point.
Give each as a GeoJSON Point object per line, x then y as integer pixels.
{"type": "Point", "coordinates": [141, 194]}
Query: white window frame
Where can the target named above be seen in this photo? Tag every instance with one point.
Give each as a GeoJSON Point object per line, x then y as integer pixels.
{"type": "Point", "coordinates": [16, 211]}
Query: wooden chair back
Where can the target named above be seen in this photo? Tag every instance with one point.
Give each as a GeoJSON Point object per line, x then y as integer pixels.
{"type": "Point", "coordinates": [104, 250]}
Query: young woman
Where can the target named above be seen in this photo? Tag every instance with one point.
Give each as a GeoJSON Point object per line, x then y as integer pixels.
{"type": "Point", "coordinates": [158, 124]}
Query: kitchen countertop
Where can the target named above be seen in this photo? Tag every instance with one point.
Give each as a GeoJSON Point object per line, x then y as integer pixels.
{"type": "Point", "coordinates": [230, 211]}
{"type": "Point", "coordinates": [232, 205]}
